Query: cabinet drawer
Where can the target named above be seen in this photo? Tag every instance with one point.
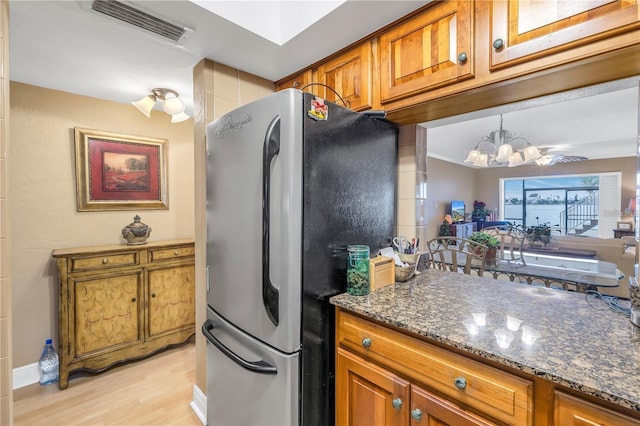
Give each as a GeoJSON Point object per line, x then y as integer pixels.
{"type": "Point", "coordinates": [90, 263]}
{"type": "Point", "coordinates": [494, 392]}
{"type": "Point", "coordinates": [170, 253]}
{"type": "Point", "coordinates": [570, 410]}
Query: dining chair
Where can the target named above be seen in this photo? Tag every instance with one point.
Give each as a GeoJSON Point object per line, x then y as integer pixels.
{"type": "Point", "coordinates": [512, 239]}
{"type": "Point", "coordinates": [457, 255]}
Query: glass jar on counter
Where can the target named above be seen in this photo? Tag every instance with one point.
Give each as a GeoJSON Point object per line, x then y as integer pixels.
{"type": "Point", "coordinates": [358, 270]}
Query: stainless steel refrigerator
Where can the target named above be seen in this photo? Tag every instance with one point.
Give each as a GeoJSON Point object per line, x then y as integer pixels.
{"type": "Point", "coordinates": [291, 181]}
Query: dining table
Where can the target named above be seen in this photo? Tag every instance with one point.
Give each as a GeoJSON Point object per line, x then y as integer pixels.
{"type": "Point", "coordinates": [550, 270]}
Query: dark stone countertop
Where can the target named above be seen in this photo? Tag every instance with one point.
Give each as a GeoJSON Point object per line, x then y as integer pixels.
{"type": "Point", "coordinates": [583, 344]}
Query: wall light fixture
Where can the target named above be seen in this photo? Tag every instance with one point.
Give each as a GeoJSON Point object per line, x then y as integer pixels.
{"type": "Point", "coordinates": [171, 104]}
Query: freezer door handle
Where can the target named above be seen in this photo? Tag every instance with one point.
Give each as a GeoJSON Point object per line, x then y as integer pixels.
{"type": "Point", "coordinates": [270, 296]}
{"type": "Point", "coordinates": [261, 367]}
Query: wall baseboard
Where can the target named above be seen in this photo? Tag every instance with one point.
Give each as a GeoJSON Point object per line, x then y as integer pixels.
{"type": "Point", "coordinates": [25, 375]}
{"type": "Point", "coordinates": [199, 404]}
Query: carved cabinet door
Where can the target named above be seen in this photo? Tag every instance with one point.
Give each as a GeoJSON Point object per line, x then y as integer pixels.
{"type": "Point", "coordinates": [106, 312]}
{"type": "Point", "coordinates": [171, 297]}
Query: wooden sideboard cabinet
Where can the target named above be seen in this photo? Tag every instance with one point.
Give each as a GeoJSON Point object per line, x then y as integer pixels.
{"type": "Point", "coordinates": [118, 303]}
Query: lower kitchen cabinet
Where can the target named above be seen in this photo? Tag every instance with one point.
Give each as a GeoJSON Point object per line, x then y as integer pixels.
{"type": "Point", "coordinates": [367, 394]}
{"type": "Point", "coordinates": [573, 411]}
{"type": "Point", "coordinates": [388, 377]}
{"type": "Point", "coordinates": [371, 395]}
{"type": "Point", "coordinates": [118, 303]}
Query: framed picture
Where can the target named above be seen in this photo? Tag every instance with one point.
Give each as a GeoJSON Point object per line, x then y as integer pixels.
{"type": "Point", "coordinates": [120, 172]}
{"type": "Point", "coordinates": [625, 226]}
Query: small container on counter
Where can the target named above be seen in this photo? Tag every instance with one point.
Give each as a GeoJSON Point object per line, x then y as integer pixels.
{"type": "Point", "coordinates": [358, 270]}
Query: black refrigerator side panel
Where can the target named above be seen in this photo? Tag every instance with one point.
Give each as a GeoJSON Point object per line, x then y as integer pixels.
{"type": "Point", "coordinates": [349, 193]}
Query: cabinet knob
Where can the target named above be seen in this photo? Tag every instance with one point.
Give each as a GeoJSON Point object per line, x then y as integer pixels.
{"type": "Point", "coordinates": [105, 261]}
{"type": "Point", "coordinates": [397, 403]}
{"type": "Point", "coordinates": [133, 299]}
{"type": "Point", "coordinates": [416, 414]}
{"type": "Point", "coordinates": [498, 43]}
{"type": "Point", "coordinates": [460, 382]}
{"type": "Point", "coordinates": [176, 252]}
{"type": "Point", "coordinates": [462, 57]}
{"type": "Point", "coordinates": [366, 342]}
{"type": "Point", "coordinates": [153, 295]}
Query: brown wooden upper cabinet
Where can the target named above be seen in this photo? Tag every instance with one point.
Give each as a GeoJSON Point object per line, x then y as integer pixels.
{"type": "Point", "coordinates": [432, 49]}
{"type": "Point", "coordinates": [350, 76]}
{"type": "Point", "coordinates": [526, 30]}
{"type": "Point", "coordinates": [297, 82]}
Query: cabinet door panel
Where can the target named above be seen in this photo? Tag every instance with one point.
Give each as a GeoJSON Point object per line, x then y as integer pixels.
{"type": "Point", "coordinates": [425, 51]}
{"type": "Point", "coordinates": [366, 394]}
{"type": "Point", "coordinates": [529, 30]}
{"type": "Point", "coordinates": [297, 82]}
{"type": "Point", "coordinates": [572, 411]}
{"type": "Point", "coordinates": [171, 299]}
{"type": "Point", "coordinates": [106, 312]}
{"type": "Point", "coordinates": [349, 76]}
{"type": "Point", "coordinates": [428, 409]}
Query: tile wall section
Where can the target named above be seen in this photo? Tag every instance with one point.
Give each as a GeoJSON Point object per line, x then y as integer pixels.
{"type": "Point", "coordinates": [412, 184]}
{"type": "Point", "coordinates": [6, 393]}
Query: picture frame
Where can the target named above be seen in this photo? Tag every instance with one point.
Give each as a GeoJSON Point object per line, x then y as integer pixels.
{"type": "Point", "coordinates": [625, 226]}
{"type": "Point", "coordinates": [115, 171]}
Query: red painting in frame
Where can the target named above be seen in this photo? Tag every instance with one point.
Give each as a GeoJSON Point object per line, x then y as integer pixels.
{"type": "Point", "coordinates": [120, 172]}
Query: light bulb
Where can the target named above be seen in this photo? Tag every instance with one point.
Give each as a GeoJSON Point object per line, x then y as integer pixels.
{"type": "Point", "coordinates": [145, 105]}
{"type": "Point", "coordinates": [173, 106]}
{"type": "Point", "coordinates": [473, 156]}
{"type": "Point", "coordinates": [177, 118]}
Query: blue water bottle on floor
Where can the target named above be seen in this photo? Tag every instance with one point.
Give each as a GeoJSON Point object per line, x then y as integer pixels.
{"type": "Point", "coordinates": [48, 364]}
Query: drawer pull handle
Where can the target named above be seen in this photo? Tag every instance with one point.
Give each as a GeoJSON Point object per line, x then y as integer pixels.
{"type": "Point", "coordinates": [460, 382]}
{"type": "Point", "coordinates": [105, 261]}
{"type": "Point", "coordinates": [397, 403]}
{"type": "Point", "coordinates": [133, 299]}
{"type": "Point", "coordinates": [416, 414]}
{"type": "Point", "coordinates": [176, 252]}
{"type": "Point", "coordinates": [463, 57]}
{"type": "Point", "coordinates": [498, 43]}
{"type": "Point", "coordinates": [366, 342]}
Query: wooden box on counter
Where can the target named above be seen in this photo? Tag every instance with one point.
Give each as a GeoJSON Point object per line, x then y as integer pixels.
{"type": "Point", "coordinates": [382, 272]}
{"type": "Point", "coordinates": [123, 302]}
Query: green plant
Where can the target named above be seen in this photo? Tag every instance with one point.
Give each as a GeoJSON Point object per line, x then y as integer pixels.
{"type": "Point", "coordinates": [538, 233]}
{"type": "Point", "coordinates": [479, 209]}
{"type": "Point", "coordinates": [445, 229]}
{"type": "Point", "coordinates": [486, 239]}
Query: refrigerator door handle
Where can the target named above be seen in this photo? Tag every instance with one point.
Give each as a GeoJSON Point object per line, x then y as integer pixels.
{"type": "Point", "coordinates": [260, 367]}
{"type": "Point", "coordinates": [270, 294]}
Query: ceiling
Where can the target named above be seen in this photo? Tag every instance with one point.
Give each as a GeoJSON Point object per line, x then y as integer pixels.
{"type": "Point", "coordinates": [65, 45]}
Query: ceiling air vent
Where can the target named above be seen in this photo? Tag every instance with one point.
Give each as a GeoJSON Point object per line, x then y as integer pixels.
{"type": "Point", "coordinates": [127, 13]}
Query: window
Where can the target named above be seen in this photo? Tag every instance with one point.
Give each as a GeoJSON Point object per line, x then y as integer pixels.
{"type": "Point", "coordinates": [571, 205]}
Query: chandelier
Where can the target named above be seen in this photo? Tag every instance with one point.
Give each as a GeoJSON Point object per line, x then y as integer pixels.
{"type": "Point", "coordinates": [501, 148]}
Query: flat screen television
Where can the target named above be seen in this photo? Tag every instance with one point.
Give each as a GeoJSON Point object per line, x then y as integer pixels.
{"type": "Point", "coordinates": [457, 211]}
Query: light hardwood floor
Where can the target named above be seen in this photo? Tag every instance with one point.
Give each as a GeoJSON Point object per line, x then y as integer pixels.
{"type": "Point", "coordinates": [154, 391]}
